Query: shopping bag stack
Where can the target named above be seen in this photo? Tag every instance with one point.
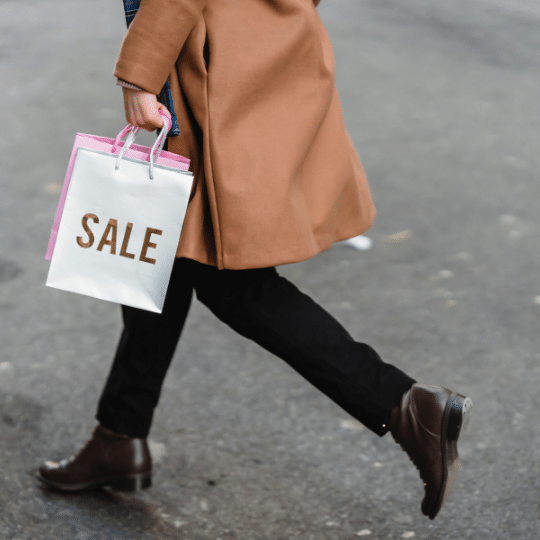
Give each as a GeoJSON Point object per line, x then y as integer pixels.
{"type": "Point", "coordinates": [119, 219]}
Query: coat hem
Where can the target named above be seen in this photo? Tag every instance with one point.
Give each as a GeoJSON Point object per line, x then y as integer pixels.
{"type": "Point", "coordinates": [276, 260]}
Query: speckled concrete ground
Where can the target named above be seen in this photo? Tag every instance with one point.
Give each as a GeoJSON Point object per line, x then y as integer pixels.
{"type": "Point", "coordinates": [441, 100]}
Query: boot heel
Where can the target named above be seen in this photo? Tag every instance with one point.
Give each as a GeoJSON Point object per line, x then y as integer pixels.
{"type": "Point", "coordinates": [135, 482]}
{"type": "Point", "coordinates": [459, 416]}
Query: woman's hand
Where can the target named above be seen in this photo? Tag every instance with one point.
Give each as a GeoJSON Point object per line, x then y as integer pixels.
{"type": "Point", "coordinates": [142, 109]}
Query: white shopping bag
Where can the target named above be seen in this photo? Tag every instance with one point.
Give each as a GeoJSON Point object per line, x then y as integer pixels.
{"type": "Point", "coordinates": [121, 222]}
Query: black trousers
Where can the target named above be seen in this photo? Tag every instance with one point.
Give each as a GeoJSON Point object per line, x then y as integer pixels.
{"type": "Point", "coordinates": [266, 308]}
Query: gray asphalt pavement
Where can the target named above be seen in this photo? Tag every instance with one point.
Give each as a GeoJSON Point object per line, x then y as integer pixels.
{"type": "Point", "coordinates": [441, 101]}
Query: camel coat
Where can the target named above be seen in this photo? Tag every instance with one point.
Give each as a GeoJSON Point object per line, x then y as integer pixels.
{"type": "Point", "coordinates": [277, 179]}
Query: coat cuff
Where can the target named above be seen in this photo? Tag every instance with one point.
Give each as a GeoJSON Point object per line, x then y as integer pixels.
{"type": "Point", "coordinates": [125, 84]}
{"type": "Point", "coordinates": [154, 41]}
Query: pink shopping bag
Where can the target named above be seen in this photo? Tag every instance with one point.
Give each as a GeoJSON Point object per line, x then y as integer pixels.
{"type": "Point", "coordinates": [114, 146]}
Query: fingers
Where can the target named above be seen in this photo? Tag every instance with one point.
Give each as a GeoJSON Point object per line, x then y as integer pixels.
{"type": "Point", "coordinates": [163, 110]}
{"type": "Point", "coordinates": [142, 109]}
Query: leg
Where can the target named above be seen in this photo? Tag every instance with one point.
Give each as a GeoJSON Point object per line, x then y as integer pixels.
{"type": "Point", "coordinates": [117, 454]}
{"type": "Point", "coordinates": [145, 351]}
{"type": "Point", "coordinates": [266, 308]}
{"type": "Point", "coordinates": [426, 421]}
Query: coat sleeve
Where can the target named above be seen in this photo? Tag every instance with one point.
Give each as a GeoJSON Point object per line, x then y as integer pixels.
{"type": "Point", "coordinates": [154, 41]}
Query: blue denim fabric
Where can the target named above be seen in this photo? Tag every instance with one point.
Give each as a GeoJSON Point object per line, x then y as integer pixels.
{"type": "Point", "coordinates": [165, 96]}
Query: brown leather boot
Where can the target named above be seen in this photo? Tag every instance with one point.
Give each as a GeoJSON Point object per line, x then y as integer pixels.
{"type": "Point", "coordinates": [427, 424]}
{"type": "Point", "coordinates": [107, 459]}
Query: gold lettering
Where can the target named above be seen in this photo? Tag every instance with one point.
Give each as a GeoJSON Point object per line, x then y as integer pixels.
{"type": "Point", "coordinates": [90, 234]}
{"type": "Point", "coordinates": [111, 226]}
{"type": "Point", "coordinates": [148, 245]}
{"type": "Point", "coordinates": [127, 234]}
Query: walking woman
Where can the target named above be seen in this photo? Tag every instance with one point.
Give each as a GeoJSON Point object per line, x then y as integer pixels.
{"type": "Point", "coordinates": [277, 181]}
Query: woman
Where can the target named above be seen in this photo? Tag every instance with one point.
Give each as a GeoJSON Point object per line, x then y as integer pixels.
{"type": "Point", "coordinates": [277, 181]}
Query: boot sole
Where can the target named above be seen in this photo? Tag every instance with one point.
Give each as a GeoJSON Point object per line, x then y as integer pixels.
{"type": "Point", "coordinates": [457, 416]}
{"type": "Point", "coordinates": [131, 482]}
